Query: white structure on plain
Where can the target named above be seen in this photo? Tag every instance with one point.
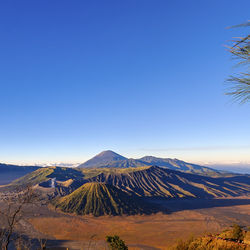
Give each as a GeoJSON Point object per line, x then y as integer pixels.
{"type": "Point", "coordinates": [53, 182]}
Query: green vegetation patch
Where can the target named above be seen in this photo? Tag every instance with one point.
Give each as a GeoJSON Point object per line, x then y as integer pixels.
{"type": "Point", "coordinates": [102, 199]}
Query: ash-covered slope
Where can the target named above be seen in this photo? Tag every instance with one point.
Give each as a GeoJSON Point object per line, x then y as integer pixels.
{"type": "Point", "coordinates": [160, 182]}
{"type": "Point", "coordinates": [102, 199]}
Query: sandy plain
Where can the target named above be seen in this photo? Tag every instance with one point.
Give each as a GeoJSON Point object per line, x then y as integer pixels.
{"type": "Point", "coordinates": [157, 231]}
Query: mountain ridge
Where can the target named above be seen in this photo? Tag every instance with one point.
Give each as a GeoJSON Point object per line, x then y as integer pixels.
{"type": "Point", "coordinates": [102, 158]}
{"type": "Point", "coordinates": [166, 183]}
{"type": "Point", "coordinates": [110, 159]}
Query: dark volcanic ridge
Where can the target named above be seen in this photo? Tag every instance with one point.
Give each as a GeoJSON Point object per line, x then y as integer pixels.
{"type": "Point", "coordinates": [159, 182]}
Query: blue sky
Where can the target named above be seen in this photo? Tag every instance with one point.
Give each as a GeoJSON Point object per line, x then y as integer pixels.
{"type": "Point", "coordinates": [138, 77]}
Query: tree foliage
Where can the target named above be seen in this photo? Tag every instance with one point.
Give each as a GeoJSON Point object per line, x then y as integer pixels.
{"type": "Point", "coordinates": [240, 83]}
{"type": "Point", "coordinates": [237, 233]}
{"type": "Point", "coordinates": [115, 243]}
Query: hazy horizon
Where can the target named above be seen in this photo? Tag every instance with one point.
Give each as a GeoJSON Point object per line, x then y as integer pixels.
{"type": "Point", "coordinates": [226, 165]}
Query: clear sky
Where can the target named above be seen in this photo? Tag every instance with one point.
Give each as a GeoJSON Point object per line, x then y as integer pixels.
{"type": "Point", "coordinates": [138, 77]}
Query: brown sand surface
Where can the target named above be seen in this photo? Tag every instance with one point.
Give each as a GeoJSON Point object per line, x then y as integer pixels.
{"type": "Point", "coordinates": [148, 232]}
{"type": "Point", "coordinates": [158, 231]}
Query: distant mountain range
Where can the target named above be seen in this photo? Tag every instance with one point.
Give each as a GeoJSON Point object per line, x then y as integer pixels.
{"type": "Point", "coordinates": [9, 173]}
{"type": "Point", "coordinates": [243, 168]}
{"type": "Point", "coordinates": [110, 159]}
{"type": "Point", "coordinates": [111, 184]}
{"type": "Point", "coordinates": [117, 191]}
